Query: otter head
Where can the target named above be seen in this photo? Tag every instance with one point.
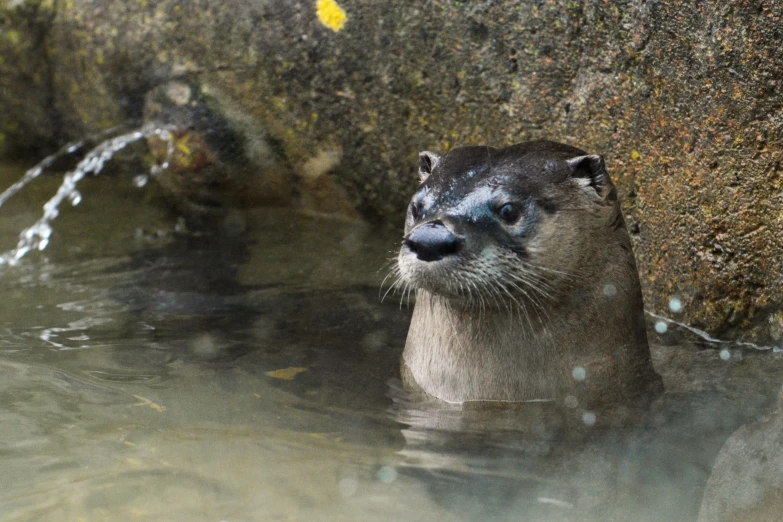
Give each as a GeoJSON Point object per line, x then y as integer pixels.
{"type": "Point", "coordinates": [492, 226]}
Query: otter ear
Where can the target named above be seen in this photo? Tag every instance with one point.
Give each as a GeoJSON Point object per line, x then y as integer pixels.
{"type": "Point", "coordinates": [427, 163]}
{"type": "Point", "coordinates": [591, 169]}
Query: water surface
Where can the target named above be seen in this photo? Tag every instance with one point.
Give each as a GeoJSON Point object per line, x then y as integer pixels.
{"type": "Point", "coordinates": [248, 371]}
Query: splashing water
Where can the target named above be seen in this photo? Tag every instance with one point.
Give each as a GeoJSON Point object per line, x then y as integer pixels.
{"type": "Point", "coordinates": [37, 236]}
{"type": "Point", "coordinates": [38, 169]}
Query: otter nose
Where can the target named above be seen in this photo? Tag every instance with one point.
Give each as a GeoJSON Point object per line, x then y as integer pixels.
{"type": "Point", "coordinates": [432, 242]}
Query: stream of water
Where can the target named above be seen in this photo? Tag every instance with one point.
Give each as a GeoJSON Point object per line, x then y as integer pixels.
{"type": "Point", "coordinates": [148, 373]}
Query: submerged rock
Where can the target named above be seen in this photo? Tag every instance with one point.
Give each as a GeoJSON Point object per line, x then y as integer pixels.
{"type": "Point", "coordinates": [747, 481]}
{"type": "Point", "coordinates": [683, 98]}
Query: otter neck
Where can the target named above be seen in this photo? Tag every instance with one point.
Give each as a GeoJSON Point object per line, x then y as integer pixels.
{"type": "Point", "coordinates": [460, 354]}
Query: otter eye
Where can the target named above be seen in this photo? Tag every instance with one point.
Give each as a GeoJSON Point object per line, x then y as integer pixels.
{"type": "Point", "coordinates": [509, 213]}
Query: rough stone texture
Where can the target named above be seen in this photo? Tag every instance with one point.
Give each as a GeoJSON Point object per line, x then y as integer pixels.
{"type": "Point", "coordinates": [27, 115]}
{"type": "Point", "coordinates": [683, 99]}
{"type": "Point", "coordinates": [746, 484]}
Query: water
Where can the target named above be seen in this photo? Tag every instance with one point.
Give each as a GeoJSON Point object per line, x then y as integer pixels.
{"type": "Point", "coordinates": [249, 372]}
{"type": "Point", "coordinates": [37, 235]}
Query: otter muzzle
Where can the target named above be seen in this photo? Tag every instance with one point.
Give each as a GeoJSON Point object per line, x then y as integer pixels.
{"type": "Point", "coordinates": [432, 242]}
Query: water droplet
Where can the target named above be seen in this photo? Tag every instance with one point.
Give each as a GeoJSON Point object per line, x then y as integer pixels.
{"type": "Point", "coordinates": [387, 474]}
{"type": "Point", "coordinates": [348, 486]}
{"type": "Point", "coordinates": [675, 305]}
{"type": "Point", "coordinates": [588, 418]}
{"type": "Point", "coordinates": [725, 354]}
{"type": "Point", "coordinates": [140, 180]}
{"type": "Point", "coordinates": [37, 236]}
{"type": "Point", "coordinates": [571, 401]}
{"type": "Point", "coordinates": [44, 231]}
{"type": "Point", "coordinates": [610, 290]}
{"type": "Point", "coordinates": [20, 253]}
{"type": "Point", "coordinates": [75, 198]}
{"type": "Point", "coordinates": [661, 327]}
{"type": "Point", "coordinates": [579, 373]}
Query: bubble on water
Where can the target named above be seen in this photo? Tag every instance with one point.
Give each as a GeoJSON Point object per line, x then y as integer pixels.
{"type": "Point", "coordinates": [588, 418]}
{"type": "Point", "coordinates": [571, 401]}
{"type": "Point", "coordinates": [661, 327]}
{"type": "Point", "coordinates": [387, 474]}
{"type": "Point", "coordinates": [348, 487]}
{"type": "Point", "coordinates": [579, 373]}
{"type": "Point", "coordinates": [675, 305]}
{"type": "Point", "coordinates": [610, 290]}
{"type": "Point", "coordinates": [725, 354]}
{"type": "Point", "coordinates": [140, 180]}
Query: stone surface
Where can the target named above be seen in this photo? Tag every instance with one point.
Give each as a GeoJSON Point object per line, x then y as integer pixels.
{"type": "Point", "coordinates": [683, 98]}
{"type": "Point", "coordinates": [746, 484]}
{"type": "Point", "coordinates": [27, 114]}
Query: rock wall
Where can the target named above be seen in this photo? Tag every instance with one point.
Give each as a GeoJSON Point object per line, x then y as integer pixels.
{"type": "Point", "coordinates": [682, 98]}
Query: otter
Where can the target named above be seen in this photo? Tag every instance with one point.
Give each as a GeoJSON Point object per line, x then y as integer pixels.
{"type": "Point", "coordinates": [526, 284]}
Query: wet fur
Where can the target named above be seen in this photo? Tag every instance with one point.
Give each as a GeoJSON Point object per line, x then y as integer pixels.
{"type": "Point", "coordinates": [513, 314]}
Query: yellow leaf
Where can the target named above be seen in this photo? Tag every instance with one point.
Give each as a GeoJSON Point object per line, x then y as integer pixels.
{"type": "Point", "coordinates": [330, 14]}
{"type": "Point", "coordinates": [287, 374]}
{"type": "Point", "coordinates": [147, 402]}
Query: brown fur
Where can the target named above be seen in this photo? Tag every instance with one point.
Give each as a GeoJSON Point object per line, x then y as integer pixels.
{"type": "Point", "coordinates": [491, 324]}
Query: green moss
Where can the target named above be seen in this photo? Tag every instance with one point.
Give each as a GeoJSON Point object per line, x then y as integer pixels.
{"type": "Point", "coordinates": [11, 36]}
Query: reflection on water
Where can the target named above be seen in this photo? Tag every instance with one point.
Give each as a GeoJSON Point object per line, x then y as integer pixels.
{"type": "Point", "coordinates": [251, 373]}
